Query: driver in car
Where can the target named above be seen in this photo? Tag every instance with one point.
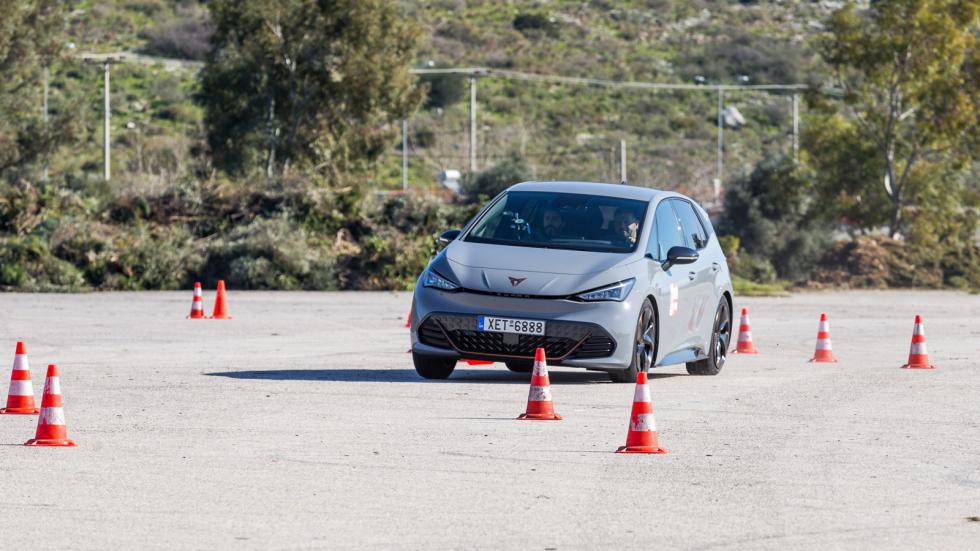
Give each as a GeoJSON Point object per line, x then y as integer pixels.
{"type": "Point", "coordinates": [552, 223]}
{"type": "Point", "coordinates": [624, 226]}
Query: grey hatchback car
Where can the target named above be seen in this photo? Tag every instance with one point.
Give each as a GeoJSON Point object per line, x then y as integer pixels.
{"type": "Point", "coordinates": [605, 277]}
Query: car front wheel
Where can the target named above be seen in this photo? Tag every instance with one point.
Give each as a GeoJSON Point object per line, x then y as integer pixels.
{"type": "Point", "coordinates": [433, 367]}
{"type": "Point", "coordinates": [644, 346]}
{"type": "Point", "coordinates": [721, 336]}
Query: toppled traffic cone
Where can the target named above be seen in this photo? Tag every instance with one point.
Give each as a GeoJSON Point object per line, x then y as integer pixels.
{"type": "Point", "coordinates": [642, 436]}
{"type": "Point", "coordinates": [478, 362]}
{"type": "Point", "coordinates": [20, 397]}
{"type": "Point", "coordinates": [745, 345]}
{"type": "Point", "coordinates": [918, 354]}
{"type": "Point", "coordinates": [51, 428]}
{"type": "Point", "coordinates": [823, 353]}
{"type": "Point", "coordinates": [220, 303]}
{"type": "Point", "coordinates": [197, 306]}
{"type": "Point", "coordinates": [539, 404]}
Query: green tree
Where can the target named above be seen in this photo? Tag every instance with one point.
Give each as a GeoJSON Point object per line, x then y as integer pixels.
{"type": "Point", "coordinates": [907, 73]}
{"type": "Point", "coordinates": [306, 83]}
{"type": "Point", "coordinates": [777, 217]}
{"type": "Point", "coordinates": [497, 178]}
{"type": "Point", "coordinates": [30, 41]}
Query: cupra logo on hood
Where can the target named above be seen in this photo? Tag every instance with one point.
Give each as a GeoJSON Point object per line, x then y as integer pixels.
{"type": "Point", "coordinates": [515, 281]}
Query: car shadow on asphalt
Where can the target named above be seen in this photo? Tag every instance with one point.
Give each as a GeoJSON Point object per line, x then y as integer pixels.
{"type": "Point", "coordinates": [463, 375]}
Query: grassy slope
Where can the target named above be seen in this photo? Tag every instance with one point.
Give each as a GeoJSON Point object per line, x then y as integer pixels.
{"type": "Point", "coordinates": [565, 131]}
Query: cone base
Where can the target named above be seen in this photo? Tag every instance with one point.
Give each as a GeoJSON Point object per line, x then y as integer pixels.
{"type": "Point", "coordinates": [753, 351]}
{"type": "Point", "coordinates": [46, 442]}
{"type": "Point", "coordinates": [19, 411]}
{"type": "Point", "coordinates": [225, 317]}
{"type": "Point", "coordinates": [641, 449]}
{"type": "Point", "coordinates": [918, 366]}
{"type": "Point", "coordinates": [823, 360]}
{"type": "Point", "coordinates": [539, 417]}
{"type": "Point", "coordinates": [197, 317]}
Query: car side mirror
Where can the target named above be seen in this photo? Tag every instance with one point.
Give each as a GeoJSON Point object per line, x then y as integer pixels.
{"type": "Point", "coordinates": [680, 255]}
{"type": "Point", "coordinates": [448, 237]}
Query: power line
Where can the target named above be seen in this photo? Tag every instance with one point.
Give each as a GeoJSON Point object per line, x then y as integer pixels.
{"type": "Point", "coordinates": [636, 85]}
{"type": "Point", "coordinates": [472, 73]}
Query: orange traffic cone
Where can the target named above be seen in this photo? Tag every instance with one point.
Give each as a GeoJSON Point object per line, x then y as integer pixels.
{"type": "Point", "coordinates": [745, 345]}
{"type": "Point", "coordinates": [197, 306]}
{"type": "Point", "coordinates": [51, 429]}
{"type": "Point", "coordinates": [918, 354]}
{"type": "Point", "coordinates": [478, 362]}
{"type": "Point", "coordinates": [220, 303]}
{"type": "Point", "coordinates": [823, 352]}
{"type": "Point", "coordinates": [539, 404]}
{"type": "Point", "coordinates": [20, 397]}
{"type": "Point", "coordinates": [408, 320]}
{"type": "Point", "coordinates": [642, 436]}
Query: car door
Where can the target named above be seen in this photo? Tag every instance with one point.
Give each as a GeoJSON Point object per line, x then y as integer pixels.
{"type": "Point", "coordinates": [701, 275]}
{"type": "Point", "coordinates": [671, 286]}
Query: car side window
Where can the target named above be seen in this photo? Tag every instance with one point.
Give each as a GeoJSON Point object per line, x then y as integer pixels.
{"type": "Point", "coordinates": [694, 233]}
{"type": "Point", "coordinates": [669, 232]}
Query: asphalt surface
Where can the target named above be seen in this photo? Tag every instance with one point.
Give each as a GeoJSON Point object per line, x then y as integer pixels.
{"type": "Point", "coordinates": [301, 424]}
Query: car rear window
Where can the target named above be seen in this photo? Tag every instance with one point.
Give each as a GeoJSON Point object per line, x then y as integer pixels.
{"type": "Point", "coordinates": [553, 220]}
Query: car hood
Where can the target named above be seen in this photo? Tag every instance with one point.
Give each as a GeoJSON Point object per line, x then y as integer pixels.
{"type": "Point", "coordinates": [531, 270]}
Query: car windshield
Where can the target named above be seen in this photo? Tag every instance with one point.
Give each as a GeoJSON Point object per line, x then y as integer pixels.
{"type": "Point", "coordinates": [553, 220]}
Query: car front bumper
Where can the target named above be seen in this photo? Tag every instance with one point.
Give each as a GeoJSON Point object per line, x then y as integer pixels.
{"type": "Point", "coordinates": [597, 335]}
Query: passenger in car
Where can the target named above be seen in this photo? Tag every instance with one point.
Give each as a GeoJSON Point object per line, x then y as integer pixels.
{"type": "Point", "coordinates": [624, 226]}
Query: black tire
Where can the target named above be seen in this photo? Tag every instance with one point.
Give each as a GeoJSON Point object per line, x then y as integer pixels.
{"type": "Point", "coordinates": [644, 346]}
{"type": "Point", "coordinates": [433, 367]}
{"type": "Point", "coordinates": [721, 338]}
{"type": "Point", "coordinates": [520, 366]}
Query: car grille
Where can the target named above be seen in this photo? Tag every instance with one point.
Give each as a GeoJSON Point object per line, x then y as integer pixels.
{"type": "Point", "coordinates": [563, 340]}
{"type": "Point", "coordinates": [430, 333]}
{"type": "Point", "coordinates": [598, 346]}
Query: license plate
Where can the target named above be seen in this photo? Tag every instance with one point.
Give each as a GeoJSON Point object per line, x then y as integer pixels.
{"type": "Point", "coordinates": [509, 325]}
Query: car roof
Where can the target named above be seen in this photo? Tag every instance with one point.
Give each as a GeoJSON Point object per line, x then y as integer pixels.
{"type": "Point", "coordinates": [623, 191]}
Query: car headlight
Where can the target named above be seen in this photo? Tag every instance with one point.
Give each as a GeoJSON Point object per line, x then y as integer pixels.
{"type": "Point", "coordinates": [432, 279]}
{"type": "Point", "coordinates": [616, 292]}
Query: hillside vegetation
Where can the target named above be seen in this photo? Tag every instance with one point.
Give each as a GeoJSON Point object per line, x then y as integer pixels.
{"type": "Point", "coordinates": [188, 203]}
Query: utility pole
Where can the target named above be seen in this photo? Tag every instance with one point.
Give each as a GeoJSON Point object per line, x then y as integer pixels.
{"type": "Point", "coordinates": [473, 72]}
{"type": "Point", "coordinates": [106, 171]}
{"type": "Point", "coordinates": [796, 127]}
{"type": "Point", "coordinates": [472, 124]}
{"type": "Point", "coordinates": [622, 161]}
{"type": "Point", "coordinates": [404, 154]}
{"type": "Point", "coordinates": [44, 117]}
{"type": "Point", "coordinates": [721, 139]}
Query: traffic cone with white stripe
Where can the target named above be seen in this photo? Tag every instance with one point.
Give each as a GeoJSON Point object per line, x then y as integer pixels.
{"type": "Point", "coordinates": [539, 404]}
{"type": "Point", "coordinates": [51, 428]}
{"type": "Point", "coordinates": [745, 345]}
{"type": "Point", "coordinates": [642, 436]}
{"type": "Point", "coordinates": [918, 354]}
{"type": "Point", "coordinates": [197, 305]}
{"type": "Point", "coordinates": [20, 397]}
{"type": "Point", "coordinates": [823, 353]}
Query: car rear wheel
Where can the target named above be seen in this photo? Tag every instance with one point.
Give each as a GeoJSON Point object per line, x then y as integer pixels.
{"type": "Point", "coordinates": [644, 346]}
{"type": "Point", "coordinates": [433, 367]}
{"type": "Point", "coordinates": [520, 366]}
{"type": "Point", "coordinates": [721, 336]}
